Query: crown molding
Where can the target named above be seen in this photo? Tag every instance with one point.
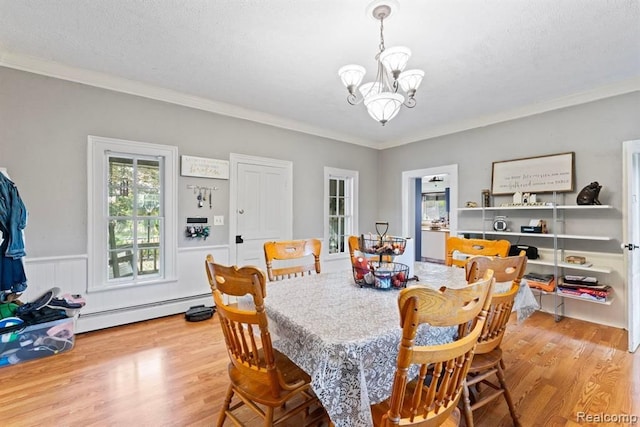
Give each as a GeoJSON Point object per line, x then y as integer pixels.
{"type": "Point", "coordinates": [602, 92]}
{"type": "Point", "coordinates": [131, 87]}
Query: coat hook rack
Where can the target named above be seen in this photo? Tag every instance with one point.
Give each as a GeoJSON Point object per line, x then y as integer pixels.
{"type": "Point", "coordinates": [202, 194]}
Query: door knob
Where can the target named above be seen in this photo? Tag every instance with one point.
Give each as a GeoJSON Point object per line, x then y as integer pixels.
{"type": "Point", "coordinates": [241, 211]}
{"type": "Point", "coordinates": [629, 246]}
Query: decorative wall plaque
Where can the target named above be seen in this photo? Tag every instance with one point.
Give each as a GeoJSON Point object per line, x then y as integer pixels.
{"type": "Point", "coordinates": [204, 168]}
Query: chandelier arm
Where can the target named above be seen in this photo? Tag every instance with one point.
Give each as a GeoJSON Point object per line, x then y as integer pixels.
{"type": "Point", "coordinates": [410, 102]}
{"type": "Point", "coordinates": [353, 99]}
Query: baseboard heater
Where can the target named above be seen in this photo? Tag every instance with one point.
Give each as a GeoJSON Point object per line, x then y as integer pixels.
{"type": "Point", "coordinates": [144, 306]}
{"type": "Point", "coordinates": [136, 313]}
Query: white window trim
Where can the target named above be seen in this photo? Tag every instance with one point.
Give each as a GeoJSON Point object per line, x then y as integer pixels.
{"type": "Point", "coordinates": [329, 173]}
{"type": "Point", "coordinates": [97, 169]}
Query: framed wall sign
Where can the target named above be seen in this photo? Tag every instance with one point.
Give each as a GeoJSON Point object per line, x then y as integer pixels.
{"type": "Point", "coordinates": [204, 168]}
{"type": "Point", "coordinates": [542, 174]}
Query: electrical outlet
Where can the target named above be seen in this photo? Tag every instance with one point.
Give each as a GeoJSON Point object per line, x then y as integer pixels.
{"type": "Point", "coordinates": [218, 220]}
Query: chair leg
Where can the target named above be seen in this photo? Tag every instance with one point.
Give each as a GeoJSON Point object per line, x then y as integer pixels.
{"type": "Point", "coordinates": [268, 418]}
{"type": "Point", "coordinates": [507, 395]}
{"type": "Point", "coordinates": [225, 407]}
{"type": "Point", "coordinates": [466, 402]}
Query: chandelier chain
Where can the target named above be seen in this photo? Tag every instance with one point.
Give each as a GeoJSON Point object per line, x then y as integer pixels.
{"type": "Point", "coordinates": [381, 47]}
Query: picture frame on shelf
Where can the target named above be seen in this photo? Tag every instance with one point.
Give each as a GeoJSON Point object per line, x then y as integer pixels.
{"type": "Point", "coordinates": [541, 174]}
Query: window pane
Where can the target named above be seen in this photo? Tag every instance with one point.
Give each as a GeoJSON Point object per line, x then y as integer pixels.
{"type": "Point", "coordinates": [332, 206]}
{"type": "Point", "coordinates": [332, 187]}
{"type": "Point", "coordinates": [120, 264]}
{"type": "Point", "coordinates": [333, 235]}
{"type": "Point", "coordinates": [149, 259]}
{"type": "Point", "coordinates": [341, 187]}
{"type": "Point", "coordinates": [120, 234]}
{"type": "Point", "coordinates": [148, 186]}
{"type": "Point", "coordinates": [148, 231]}
{"type": "Point", "coordinates": [121, 256]}
{"type": "Point", "coordinates": [120, 183]}
{"type": "Point", "coordinates": [341, 206]}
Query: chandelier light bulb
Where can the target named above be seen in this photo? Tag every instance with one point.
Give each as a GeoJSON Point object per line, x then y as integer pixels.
{"type": "Point", "coordinates": [395, 59]}
{"type": "Point", "coordinates": [351, 76]}
{"type": "Point", "coordinates": [384, 106]}
{"type": "Point", "coordinates": [410, 80]}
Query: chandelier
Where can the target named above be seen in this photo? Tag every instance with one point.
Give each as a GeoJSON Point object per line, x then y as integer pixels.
{"type": "Point", "coordinates": [381, 96]}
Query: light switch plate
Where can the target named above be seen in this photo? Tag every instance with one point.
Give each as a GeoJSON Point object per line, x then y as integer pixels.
{"type": "Point", "coordinates": [218, 220]}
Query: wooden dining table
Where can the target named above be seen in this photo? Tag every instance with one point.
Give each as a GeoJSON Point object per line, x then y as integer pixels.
{"type": "Point", "coordinates": [346, 337]}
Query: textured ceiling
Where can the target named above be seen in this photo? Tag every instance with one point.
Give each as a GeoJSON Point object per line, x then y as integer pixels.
{"type": "Point", "coordinates": [276, 61]}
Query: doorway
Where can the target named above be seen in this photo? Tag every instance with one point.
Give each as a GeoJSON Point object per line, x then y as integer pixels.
{"type": "Point", "coordinates": [410, 180]}
{"type": "Point", "coordinates": [631, 236]}
{"type": "Point", "coordinates": [260, 206]}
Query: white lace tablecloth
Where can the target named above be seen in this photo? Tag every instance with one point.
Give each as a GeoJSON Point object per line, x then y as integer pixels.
{"type": "Point", "coordinates": [347, 337]}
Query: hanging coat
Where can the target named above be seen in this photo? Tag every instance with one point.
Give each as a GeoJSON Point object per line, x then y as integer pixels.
{"type": "Point", "coordinates": [13, 220]}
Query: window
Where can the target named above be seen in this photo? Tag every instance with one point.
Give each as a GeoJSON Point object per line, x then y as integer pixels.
{"type": "Point", "coordinates": [434, 206]}
{"type": "Point", "coordinates": [340, 209]}
{"type": "Point", "coordinates": [132, 213]}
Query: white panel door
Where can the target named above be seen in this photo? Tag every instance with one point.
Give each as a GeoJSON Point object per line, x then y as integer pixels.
{"type": "Point", "coordinates": [263, 207]}
{"type": "Point", "coordinates": [631, 168]}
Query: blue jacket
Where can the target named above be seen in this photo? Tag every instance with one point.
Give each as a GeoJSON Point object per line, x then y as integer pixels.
{"type": "Point", "coordinates": [13, 216]}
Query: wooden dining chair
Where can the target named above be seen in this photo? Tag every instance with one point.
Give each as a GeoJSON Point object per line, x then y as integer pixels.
{"type": "Point", "coordinates": [473, 247]}
{"type": "Point", "coordinates": [431, 399]}
{"type": "Point", "coordinates": [285, 252]}
{"type": "Point", "coordinates": [488, 361]}
{"type": "Point", "coordinates": [261, 378]}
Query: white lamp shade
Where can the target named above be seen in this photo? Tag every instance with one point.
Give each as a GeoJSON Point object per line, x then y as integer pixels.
{"type": "Point", "coordinates": [370, 89]}
{"type": "Point", "coordinates": [351, 75]}
{"type": "Point", "coordinates": [384, 106]}
{"type": "Point", "coordinates": [395, 58]}
{"type": "Point", "coordinates": [410, 80]}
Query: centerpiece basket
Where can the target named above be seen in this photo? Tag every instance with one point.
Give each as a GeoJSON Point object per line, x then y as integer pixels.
{"type": "Point", "coordinates": [382, 273]}
{"type": "Point", "coordinates": [381, 244]}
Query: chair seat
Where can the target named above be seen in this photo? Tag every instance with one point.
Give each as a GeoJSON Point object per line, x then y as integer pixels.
{"type": "Point", "coordinates": [486, 361]}
{"type": "Point", "coordinates": [261, 392]}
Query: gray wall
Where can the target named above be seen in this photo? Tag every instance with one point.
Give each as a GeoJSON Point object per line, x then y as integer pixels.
{"type": "Point", "coordinates": [594, 131]}
{"type": "Point", "coordinates": [44, 123]}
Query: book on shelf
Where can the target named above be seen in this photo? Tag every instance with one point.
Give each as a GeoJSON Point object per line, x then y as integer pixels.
{"type": "Point", "coordinates": [580, 280]}
{"type": "Point", "coordinates": [544, 282]}
{"type": "Point", "coordinates": [599, 287]}
{"type": "Point", "coordinates": [587, 293]}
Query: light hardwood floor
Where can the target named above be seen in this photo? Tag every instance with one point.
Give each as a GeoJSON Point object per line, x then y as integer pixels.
{"type": "Point", "coordinates": [169, 372]}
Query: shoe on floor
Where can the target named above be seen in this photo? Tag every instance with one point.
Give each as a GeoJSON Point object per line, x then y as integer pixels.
{"type": "Point", "coordinates": [37, 303]}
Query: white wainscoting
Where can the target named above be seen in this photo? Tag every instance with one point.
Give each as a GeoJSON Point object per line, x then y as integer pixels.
{"type": "Point", "coordinates": [125, 305]}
